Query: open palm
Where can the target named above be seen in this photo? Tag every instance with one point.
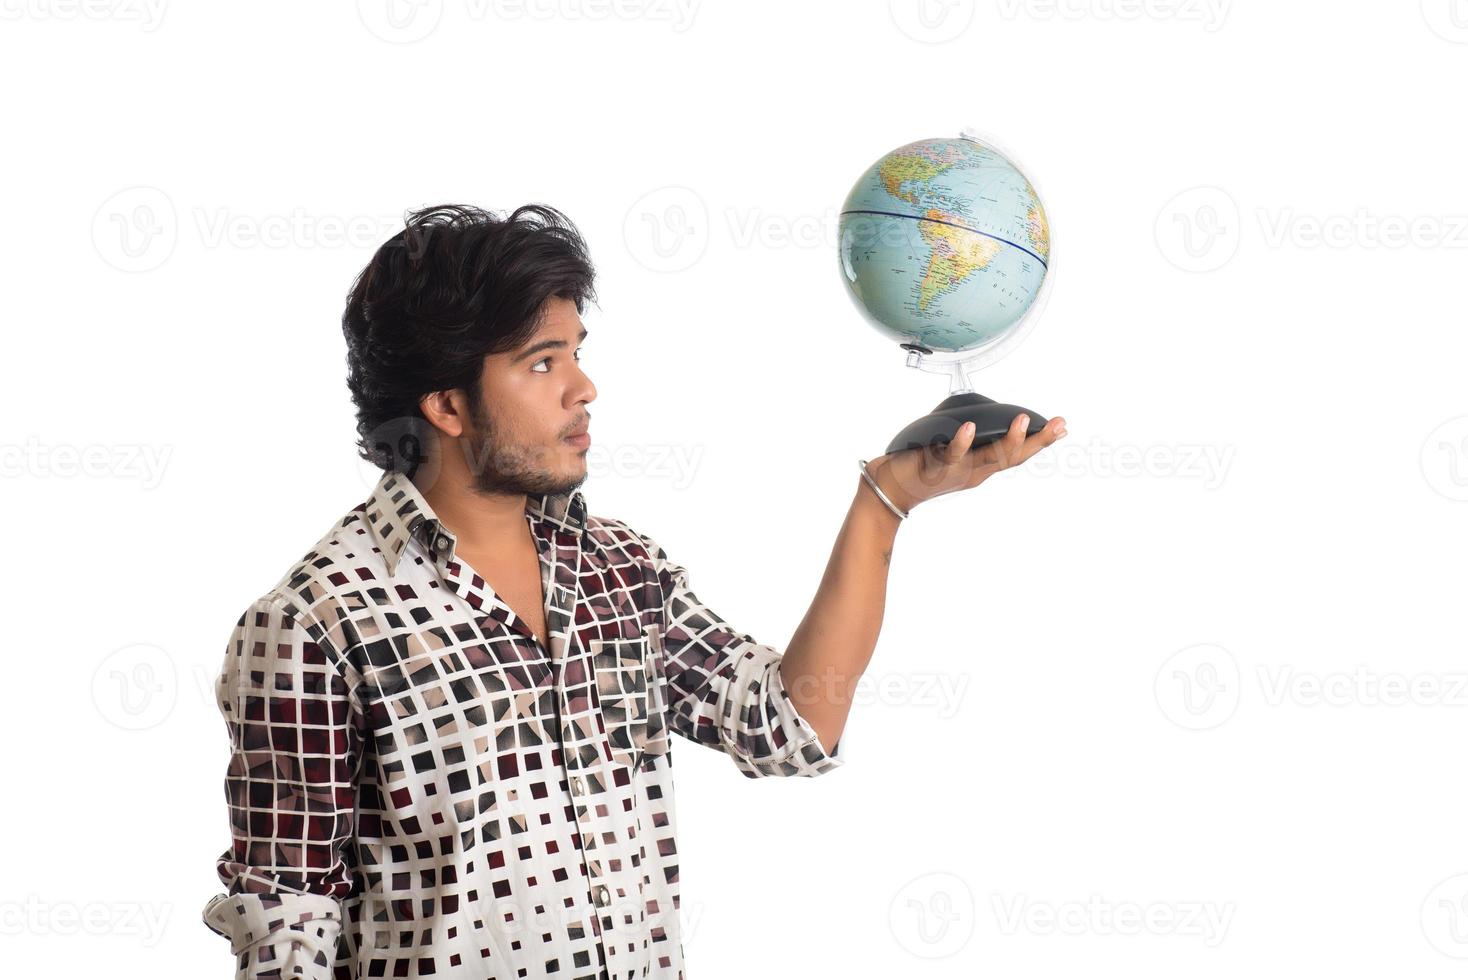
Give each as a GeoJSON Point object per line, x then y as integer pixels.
{"type": "Point", "coordinates": [911, 476]}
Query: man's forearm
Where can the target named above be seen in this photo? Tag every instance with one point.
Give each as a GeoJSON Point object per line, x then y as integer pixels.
{"type": "Point", "coordinates": [834, 642]}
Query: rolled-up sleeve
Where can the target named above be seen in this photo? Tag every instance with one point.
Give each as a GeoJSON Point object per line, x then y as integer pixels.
{"type": "Point", "coordinates": [295, 743]}
{"type": "Point", "coordinates": [725, 688]}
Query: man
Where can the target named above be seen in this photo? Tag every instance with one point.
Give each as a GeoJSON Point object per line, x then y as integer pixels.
{"type": "Point", "coordinates": [450, 718]}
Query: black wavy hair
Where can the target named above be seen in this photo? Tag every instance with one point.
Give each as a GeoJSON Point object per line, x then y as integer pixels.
{"type": "Point", "coordinates": [456, 284]}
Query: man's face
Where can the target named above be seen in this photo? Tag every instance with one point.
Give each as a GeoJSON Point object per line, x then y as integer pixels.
{"type": "Point", "coordinates": [531, 399]}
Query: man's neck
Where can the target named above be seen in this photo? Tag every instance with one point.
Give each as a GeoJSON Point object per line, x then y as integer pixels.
{"type": "Point", "coordinates": [483, 523]}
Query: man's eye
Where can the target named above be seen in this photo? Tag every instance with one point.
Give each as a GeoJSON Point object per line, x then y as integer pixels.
{"type": "Point", "coordinates": [546, 360]}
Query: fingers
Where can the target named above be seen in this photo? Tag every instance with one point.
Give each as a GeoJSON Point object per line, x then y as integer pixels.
{"type": "Point", "coordinates": [1053, 430]}
{"type": "Point", "coordinates": [960, 444]}
{"type": "Point", "coordinates": [1014, 448]}
{"type": "Point", "coordinates": [1008, 449]}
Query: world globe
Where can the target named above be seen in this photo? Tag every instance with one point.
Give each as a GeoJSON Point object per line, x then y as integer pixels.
{"type": "Point", "coordinates": [944, 244]}
{"type": "Point", "coordinates": [944, 247]}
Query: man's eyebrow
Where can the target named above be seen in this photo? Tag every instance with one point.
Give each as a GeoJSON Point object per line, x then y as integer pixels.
{"type": "Point", "coordinates": [543, 345]}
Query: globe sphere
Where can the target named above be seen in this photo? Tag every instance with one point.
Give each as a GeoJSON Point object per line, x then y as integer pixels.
{"type": "Point", "coordinates": [944, 245]}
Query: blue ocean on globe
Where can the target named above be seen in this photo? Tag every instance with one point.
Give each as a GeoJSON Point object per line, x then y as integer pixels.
{"type": "Point", "coordinates": [944, 244]}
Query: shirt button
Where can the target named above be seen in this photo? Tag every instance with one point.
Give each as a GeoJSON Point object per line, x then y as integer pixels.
{"type": "Point", "coordinates": [603, 896]}
{"type": "Point", "coordinates": [442, 542]}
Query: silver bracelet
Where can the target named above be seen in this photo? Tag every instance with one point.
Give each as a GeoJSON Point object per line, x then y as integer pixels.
{"type": "Point", "coordinates": [862, 465]}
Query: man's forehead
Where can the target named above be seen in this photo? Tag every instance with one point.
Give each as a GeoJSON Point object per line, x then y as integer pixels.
{"type": "Point", "coordinates": [559, 317]}
{"type": "Point", "coordinates": [557, 328]}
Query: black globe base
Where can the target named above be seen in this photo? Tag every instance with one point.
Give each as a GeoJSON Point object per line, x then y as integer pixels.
{"type": "Point", "coordinates": [938, 427]}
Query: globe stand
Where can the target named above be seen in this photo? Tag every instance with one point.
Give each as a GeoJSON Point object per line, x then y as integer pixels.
{"type": "Point", "coordinates": [991, 419]}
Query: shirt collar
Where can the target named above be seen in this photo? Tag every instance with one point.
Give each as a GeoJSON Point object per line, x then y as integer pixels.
{"type": "Point", "coordinates": [397, 513]}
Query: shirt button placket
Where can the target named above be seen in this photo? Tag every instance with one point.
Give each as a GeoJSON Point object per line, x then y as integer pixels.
{"type": "Point", "coordinates": [561, 615]}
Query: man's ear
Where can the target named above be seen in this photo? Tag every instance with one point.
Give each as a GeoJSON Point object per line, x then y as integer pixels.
{"type": "Point", "coordinates": [445, 410]}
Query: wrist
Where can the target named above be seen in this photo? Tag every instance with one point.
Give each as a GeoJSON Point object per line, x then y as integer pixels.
{"type": "Point", "coordinates": [868, 509]}
{"type": "Point", "coordinates": [871, 499]}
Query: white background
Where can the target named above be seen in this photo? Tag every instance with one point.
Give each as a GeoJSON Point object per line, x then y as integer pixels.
{"type": "Point", "coordinates": [1203, 660]}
